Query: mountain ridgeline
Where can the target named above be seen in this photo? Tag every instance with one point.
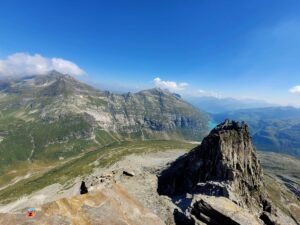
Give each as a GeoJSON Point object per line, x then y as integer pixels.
{"type": "Point", "coordinates": [275, 129]}
{"type": "Point", "coordinates": [54, 116]}
{"type": "Point", "coordinates": [222, 105]}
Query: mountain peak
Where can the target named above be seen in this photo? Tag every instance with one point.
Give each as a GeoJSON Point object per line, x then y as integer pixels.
{"type": "Point", "coordinates": [160, 92]}
{"type": "Point", "coordinates": [56, 83]}
{"type": "Point", "coordinates": [225, 155]}
{"type": "Point", "coordinates": [224, 165]}
{"type": "Point", "coordinates": [54, 74]}
{"type": "Point", "coordinates": [156, 91]}
{"type": "Point", "coordinates": [232, 125]}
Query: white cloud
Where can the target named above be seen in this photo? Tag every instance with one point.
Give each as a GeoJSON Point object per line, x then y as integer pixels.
{"type": "Point", "coordinates": [20, 64]}
{"type": "Point", "coordinates": [183, 90]}
{"type": "Point", "coordinates": [295, 90]}
{"type": "Point", "coordinates": [169, 84]}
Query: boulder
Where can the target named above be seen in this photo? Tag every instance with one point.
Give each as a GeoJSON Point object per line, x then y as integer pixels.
{"type": "Point", "coordinates": [128, 173]}
{"type": "Point", "coordinates": [83, 188]}
{"type": "Point", "coordinates": [220, 210]}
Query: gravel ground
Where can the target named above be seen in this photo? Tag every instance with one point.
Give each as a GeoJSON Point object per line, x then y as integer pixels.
{"type": "Point", "coordinates": [142, 186]}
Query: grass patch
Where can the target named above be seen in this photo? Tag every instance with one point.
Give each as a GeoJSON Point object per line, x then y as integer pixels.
{"type": "Point", "coordinates": [83, 166]}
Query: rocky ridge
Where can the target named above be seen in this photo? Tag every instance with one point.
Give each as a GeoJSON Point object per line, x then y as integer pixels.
{"type": "Point", "coordinates": [224, 168]}
{"type": "Point", "coordinates": [56, 117]}
{"type": "Point", "coordinates": [154, 109]}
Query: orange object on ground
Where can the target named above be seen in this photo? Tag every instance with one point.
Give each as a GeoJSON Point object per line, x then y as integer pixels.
{"type": "Point", "coordinates": [31, 212]}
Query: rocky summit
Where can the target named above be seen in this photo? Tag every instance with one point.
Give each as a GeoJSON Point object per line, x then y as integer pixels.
{"type": "Point", "coordinates": [225, 165]}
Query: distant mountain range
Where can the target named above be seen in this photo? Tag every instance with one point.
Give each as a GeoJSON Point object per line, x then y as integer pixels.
{"type": "Point", "coordinates": [53, 117]}
{"type": "Point", "coordinates": [274, 129]}
{"type": "Point", "coordinates": [218, 105]}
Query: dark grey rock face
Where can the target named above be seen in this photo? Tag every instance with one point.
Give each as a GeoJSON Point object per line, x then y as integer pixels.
{"type": "Point", "coordinates": [227, 157]}
{"type": "Point", "coordinates": [209, 213]}
{"type": "Point", "coordinates": [225, 179]}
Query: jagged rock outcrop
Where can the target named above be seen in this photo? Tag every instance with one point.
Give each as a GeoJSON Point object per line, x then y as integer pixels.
{"type": "Point", "coordinates": [224, 165]}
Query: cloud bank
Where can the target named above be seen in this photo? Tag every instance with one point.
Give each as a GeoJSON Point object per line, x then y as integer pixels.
{"type": "Point", "coordinates": [20, 64]}
{"type": "Point", "coordinates": [169, 84]}
{"type": "Point", "coordinates": [295, 90]}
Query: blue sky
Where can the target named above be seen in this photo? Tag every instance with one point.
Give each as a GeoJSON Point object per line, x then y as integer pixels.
{"type": "Point", "coordinates": [242, 49]}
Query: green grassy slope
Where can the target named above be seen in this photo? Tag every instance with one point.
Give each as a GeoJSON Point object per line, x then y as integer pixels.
{"type": "Point", "coordinates": [47, 120]}
{"type": "Point", "coordinates": [84, 165]}
{"type": "Point", "coordinates": [282, 180]}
